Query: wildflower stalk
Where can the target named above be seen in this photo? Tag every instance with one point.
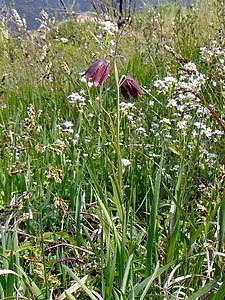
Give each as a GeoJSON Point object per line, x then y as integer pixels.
{"type": "Point", "coordinates": [119, 158]}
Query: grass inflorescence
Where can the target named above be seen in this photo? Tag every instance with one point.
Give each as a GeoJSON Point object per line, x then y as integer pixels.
{"type": "Point", "coordinates": [103, 197]}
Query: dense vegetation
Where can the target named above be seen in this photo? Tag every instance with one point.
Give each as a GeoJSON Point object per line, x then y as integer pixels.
{"type": "Point", "coordinates": [103, 198]}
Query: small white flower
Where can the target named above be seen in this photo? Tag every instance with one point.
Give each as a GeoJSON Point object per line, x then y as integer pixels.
{"type": "Point", "coordinates": [108, 26]}
{"type": "Point", "coordinates": [126, 105]}
{"type": "Point", "coordinates": [125, 162]}
{"type": "Point", "coordinates": [208, 132]}
{"type": "Point", "coordinates": [199, 125]}
{"type": "Point", "coordinates": [182, 124]}
{"type": "Point", "coordinates": [95, 53]}
{"type": "Point", "coordinates": [202, 111]}
{"type": "Point", "coordinates": [83, 79]}
{"type": "Point", "coordinates": [165, 85]}
{"type": "Point", "coordinates": [170, 80]}
{"type": "Point", "coordinates": [172, 102]}
{"type": "Point", "coordinates": [99, 36]}
{"type": "Point", "coordinates": [141, 130]}
{"type": "Point", "coordinates": [166, 121]}
{"type": "Point", "coordinates": [175, 168]}
{"type": "Point", "coordinates": [130, 117]}
{"type": "Point", "coordinates": [74, 97]}
{"type": "Point", "coordinates": [90, 84]}
{"type": "Point", "coordinates": [218, 132]}
{"type": "Point", "coordinates": [64, 40]}
{"type": "Point", "coordinates": [112, 42]}
{"type": "Point", "coordinates": [190, 67]}
{"type": "Point", "coordinates": [151, 103]}
{"type": "Point", "coordinates": [67, 124]}
{"type": "Point", "coordinates": [180, 108]}
{"type": "Point", "coordinates": [168, 136]}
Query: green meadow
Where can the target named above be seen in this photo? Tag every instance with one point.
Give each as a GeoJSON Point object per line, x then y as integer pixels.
{"type": "Point", "coordinates": [103, 197]}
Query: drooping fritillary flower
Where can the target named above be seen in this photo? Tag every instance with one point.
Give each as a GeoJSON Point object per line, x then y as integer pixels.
{"type": "Point", "coordinates": [129, 87]}
{"type": "Point", "coordinates": [98, 71]}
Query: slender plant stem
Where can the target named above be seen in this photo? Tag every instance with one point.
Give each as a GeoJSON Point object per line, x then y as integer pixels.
{"type": "Point", "coordinates": [119, 158]}
{"type": "Point", "coordinates": [120, 180]}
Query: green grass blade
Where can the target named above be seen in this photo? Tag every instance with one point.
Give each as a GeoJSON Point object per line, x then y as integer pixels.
{"type": "Point", "coordinates": [222, 223]}
{"type": "Point", "coordinates": [220, 293]}
{"type": "Point", "coordinates": [153, 221]}
{"type": "Point", "coordinates": [69, 296]}
{"type": "Point", "coordinates": [146, 283]}
{"type": "Point", "coordinates": [82, 285]}
{"type": "Point", "coordinates": [126, 274]}
{"type": "Point", "coordinates": [208, 287]}
{"type": "Point", "coordinates": [175, 218]}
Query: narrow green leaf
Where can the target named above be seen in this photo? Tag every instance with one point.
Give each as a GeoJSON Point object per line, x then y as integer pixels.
{"type": "Point", "coordinates": [116, 199]}
{"type": "Point", "coordinates": [172, 247]}
{"type": "Point", "coordinates": [82, 285]}
{"type": "Point", "coordinates": [69, 296]}
{"type": "Point", "coordinates": [209, 286]}
{"type": "Point", "coordinates": [126, 273]}
{"type": "Point", "coordinates": [219, 295]}
{"type": "Point", "coordinates": [153, 221]}
{"type": "Point", "coordinates": [201, 227]}
{"type": "Point", "coordinates": [222, 222]}
{"type": "Point", "coordinates": [140, 286]}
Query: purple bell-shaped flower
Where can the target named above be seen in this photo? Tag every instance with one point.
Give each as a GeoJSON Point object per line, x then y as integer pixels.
{"type": "Point", "coordinates": [98, 71]}
{"type": "Point", "coordinates": [129, 87]}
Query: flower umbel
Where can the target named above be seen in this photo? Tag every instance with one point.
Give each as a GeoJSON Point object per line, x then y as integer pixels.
{"type": "Point", "coordinates": [129, 87]}
{"type": "Point", "coordinates": [98, 71]}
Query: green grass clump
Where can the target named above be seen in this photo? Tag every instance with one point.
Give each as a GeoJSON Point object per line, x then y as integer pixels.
{"type": "Point", "coordinates": [103, 198]}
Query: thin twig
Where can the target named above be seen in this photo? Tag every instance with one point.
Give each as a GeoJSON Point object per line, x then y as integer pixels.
{"type": "Point", "coordinates": [64, 7]}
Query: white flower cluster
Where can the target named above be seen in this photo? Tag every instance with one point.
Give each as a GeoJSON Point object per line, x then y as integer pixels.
{"type": "Point", "coordinates": [201, 129]}
{"type": "Point", "coordinates": [125, 162]}
{"type": "Point", "coordinates": [77, 99]}
{"type": "Point", "coordinates": [189, 79]}
{"type": "Point", "coordinates": [166, 85]}
{"type": "Point", "coordinates": [66, 126]}
{"type": "Point", "coordinates": [214, 57]}
{"type": "Point", "coordinates": [212, 54]}
{"type": "Point", "coordinates": [166, 121]}
{"type": "Point", "coordinates": [128, 109]}
{"type": "Point", "coordinates": [187, 112]}
{"type": "Point", "coordinates": [135, 122]}
{"type": "Point", "coordinates": [183, 103]}
{"type": "Point", "coordinates": [183, 124]}
{"type": "Point", "coordinates": [108, 26]}
{"type": "Point", "coordinates": [209, 158]}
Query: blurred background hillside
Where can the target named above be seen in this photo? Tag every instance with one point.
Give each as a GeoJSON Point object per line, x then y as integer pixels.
{"type": "Point", "coordinates": [30, 9]}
